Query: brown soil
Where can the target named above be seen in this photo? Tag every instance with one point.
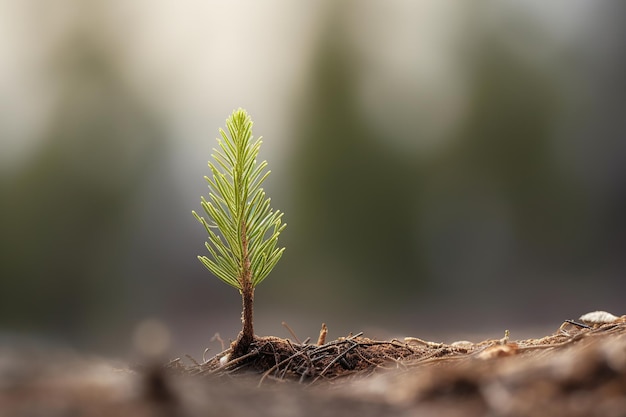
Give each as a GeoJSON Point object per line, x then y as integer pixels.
{"type": "Point", "coordinates": [579, 370]}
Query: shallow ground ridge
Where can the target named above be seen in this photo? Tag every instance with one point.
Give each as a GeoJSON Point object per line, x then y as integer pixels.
{"type": "Point", "coordinates": [580, 370]}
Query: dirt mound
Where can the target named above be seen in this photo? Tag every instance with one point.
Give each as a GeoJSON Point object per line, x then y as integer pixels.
{"type": "Point", "coordinates": [580, 370]}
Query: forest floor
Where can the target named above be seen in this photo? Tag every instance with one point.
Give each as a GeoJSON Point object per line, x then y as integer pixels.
{"type": "Point", "coordinates": [579, 370]}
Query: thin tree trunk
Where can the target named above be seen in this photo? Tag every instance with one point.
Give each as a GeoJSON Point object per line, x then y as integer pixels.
{"type": "Point", "coordinates": [246, 336]}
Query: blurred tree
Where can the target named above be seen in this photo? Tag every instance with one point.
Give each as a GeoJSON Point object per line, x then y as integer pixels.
{"type": "Point", "coordinates": [355, 197]}
{"type": "Point", "coordinates": [65, 212]}
{"type": "Point", "coordinates": [504, 147]}
{"type": "Point", "coordinates": [493, 209]}
{"type": "Point", "coordinates": [375, 222]}
{"type": "Point", "coordinates": [502, 215]}
{"type": "Point", "coordinates": [597, 128]}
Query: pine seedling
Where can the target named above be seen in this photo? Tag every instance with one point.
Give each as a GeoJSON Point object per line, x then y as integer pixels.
{"type": "Point", "coordinates": [242, 228]}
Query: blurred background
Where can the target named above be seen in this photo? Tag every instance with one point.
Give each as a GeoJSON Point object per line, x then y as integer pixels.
{"type": "Point", "coordinates": [447, 170]}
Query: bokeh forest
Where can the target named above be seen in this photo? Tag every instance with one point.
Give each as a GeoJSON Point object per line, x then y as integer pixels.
{"type": "Point", "coordinates": [446, 169]}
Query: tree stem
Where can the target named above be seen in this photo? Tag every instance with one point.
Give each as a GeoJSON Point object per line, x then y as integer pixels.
{"type": "Point", "coordinates": [246, 336]}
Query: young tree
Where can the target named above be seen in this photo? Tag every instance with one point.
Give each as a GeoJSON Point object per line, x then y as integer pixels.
{"type": "Point", "coordinates": [243, 229]}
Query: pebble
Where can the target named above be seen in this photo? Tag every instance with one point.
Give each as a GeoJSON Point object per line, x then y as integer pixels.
{"type": "Point", "coordinates": [598, 317]}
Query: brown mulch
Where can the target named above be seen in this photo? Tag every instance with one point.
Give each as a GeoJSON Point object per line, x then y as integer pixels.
{"type": "Point", "coordinates": [352, 357]}
{"type": "Point", "coordinates": [579, 370]}
{"type": "Point", "coordinates": [281, 359]}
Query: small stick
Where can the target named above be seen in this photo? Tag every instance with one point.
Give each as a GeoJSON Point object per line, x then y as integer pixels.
{"type": "Point", "coordinates": [286, 326]}
{"type": "Point", "coordinates": [192, 359]}
{"type": "Point", "coordinates": [323, 332]}
{"type": "Point", "coordinates": [363, 358]}
{"type": "Point", "coordinates": [505, 339]}
{"type": "Point", "coordinates": [230, 364]}
{"type": "Point", "coordinates": [575, 323]}
{"type": "Point", "coordinates": [310, 369]}
{"type": "Point", "coordinates": [284, 361]}
{"type": "Point", "coordinates": [417, 340]}
{"type": "Point", "coordinates": [432, 358]}
{"type": "Point", "coordinates": [340, 356]}
{"type": "Point", "coordinates": [328, 345]}
{"type": "Point", "coordinates": [273, 349]}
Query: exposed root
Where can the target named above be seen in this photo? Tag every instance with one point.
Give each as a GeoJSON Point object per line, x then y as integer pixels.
{"type": "Point", "coordinates": [276, 359]}
{"type": "Point", "coordinates": [280, 359]}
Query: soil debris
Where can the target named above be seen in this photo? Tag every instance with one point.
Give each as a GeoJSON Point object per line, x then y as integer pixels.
{"type": "Point", "coordinates": [580, 370]}
{"type": "Point", "coordinates": [355, 356]}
